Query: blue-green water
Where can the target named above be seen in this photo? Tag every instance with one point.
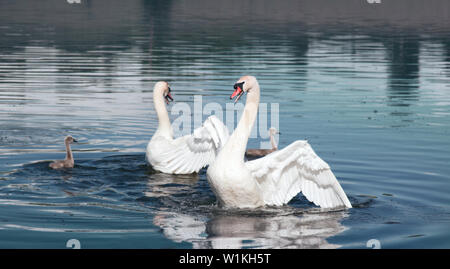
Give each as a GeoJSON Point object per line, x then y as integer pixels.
{"type": "Point", "coordinates": [366, 84]}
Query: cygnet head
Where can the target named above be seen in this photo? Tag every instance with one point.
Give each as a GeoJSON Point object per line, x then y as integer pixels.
{"type": "Point", "coordinates": [162, 88]}
{"type": "Point", "coordinates": [273, 131]}
{"type": "Point", "coordinates": [243, 85]}
{"type": "Point", "coordinates": [69, 139]}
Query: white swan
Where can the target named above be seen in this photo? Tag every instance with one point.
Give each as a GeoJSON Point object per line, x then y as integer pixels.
{"type": "Point", "coordinates": [187, 154]}
{"type": "Point", "coordinates": [274, 179]}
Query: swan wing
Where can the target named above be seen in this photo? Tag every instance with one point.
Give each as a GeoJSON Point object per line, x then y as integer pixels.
{"type": "Point", "coordinates": [190, 153]}
{"type": "Point", "coordinates": [296, 168]}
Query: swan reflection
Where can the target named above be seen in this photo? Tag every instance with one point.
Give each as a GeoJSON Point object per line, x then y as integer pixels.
{"type": "Point", "coordinates": [162, 184]}
{"type": "Point", "coordinates": [309, 230]}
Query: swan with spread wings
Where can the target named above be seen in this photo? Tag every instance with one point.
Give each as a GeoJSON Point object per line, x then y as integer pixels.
{"type": "Point", "coordinates": [276, 178]}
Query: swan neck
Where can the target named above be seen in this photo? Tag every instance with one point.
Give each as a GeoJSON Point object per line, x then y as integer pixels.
{"type": "Point", "coordinates": [164, 127]}
{"type": "Point", "coordinates": [239, 138]}
{"type": "Point", "coordinates": [69, 155]}
{"type": "Point", "coordinates": [272, 141]}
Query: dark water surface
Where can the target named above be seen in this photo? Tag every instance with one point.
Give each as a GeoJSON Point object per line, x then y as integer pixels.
{"type": "Point", "coordinates": [367, 84]}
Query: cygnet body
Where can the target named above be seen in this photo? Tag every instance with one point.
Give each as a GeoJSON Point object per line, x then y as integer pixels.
{"type": "Point", "coordinates": [68, 162]}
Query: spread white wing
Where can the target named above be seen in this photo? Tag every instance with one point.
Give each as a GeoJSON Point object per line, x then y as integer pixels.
{"type": "Point", "coordinates": [296, 168]}
{"type": "Point", "coordinates": [190, 153]}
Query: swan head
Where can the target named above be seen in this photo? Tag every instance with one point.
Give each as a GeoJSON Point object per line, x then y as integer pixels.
{"type": "Point", "coordinates": [69, 139]}
{"type": "Point", "coordinates": [243, 85]}
{"type": "Point", "coordinates": [162, 88]}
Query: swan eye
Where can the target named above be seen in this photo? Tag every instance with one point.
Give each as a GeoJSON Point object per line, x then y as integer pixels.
{"type": "Point", "coordinates": [240, 85]}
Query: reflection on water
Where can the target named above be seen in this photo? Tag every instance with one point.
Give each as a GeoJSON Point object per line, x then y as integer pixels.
{"type": "Point", "coordinates": [403, 57]}
{"type": "Point", "coordinates": [310, 230]}
{"type": "Point", "coordinates": [367, 85]}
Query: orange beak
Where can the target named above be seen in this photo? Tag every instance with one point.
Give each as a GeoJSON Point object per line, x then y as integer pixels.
{"type": "Point", "coordinates": [168, 97]}
{"type": "Point", "coordinates": [237, 91]}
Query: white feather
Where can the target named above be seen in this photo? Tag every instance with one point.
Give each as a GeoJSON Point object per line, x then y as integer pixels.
{"type": "Point", "coordinates": [317, 182]}
{"type": "Point", "coordinates": [190, 153]}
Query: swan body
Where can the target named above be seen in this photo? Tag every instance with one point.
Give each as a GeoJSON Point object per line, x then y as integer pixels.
{"type": "Point", "coordinates": [187, 154]}
{"type": "Point", "coordinates": [274, 179]}
{"type": "Point", "coordinates": [254, 153]}
{"type": "Point", "coordinates": [68, 162]}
